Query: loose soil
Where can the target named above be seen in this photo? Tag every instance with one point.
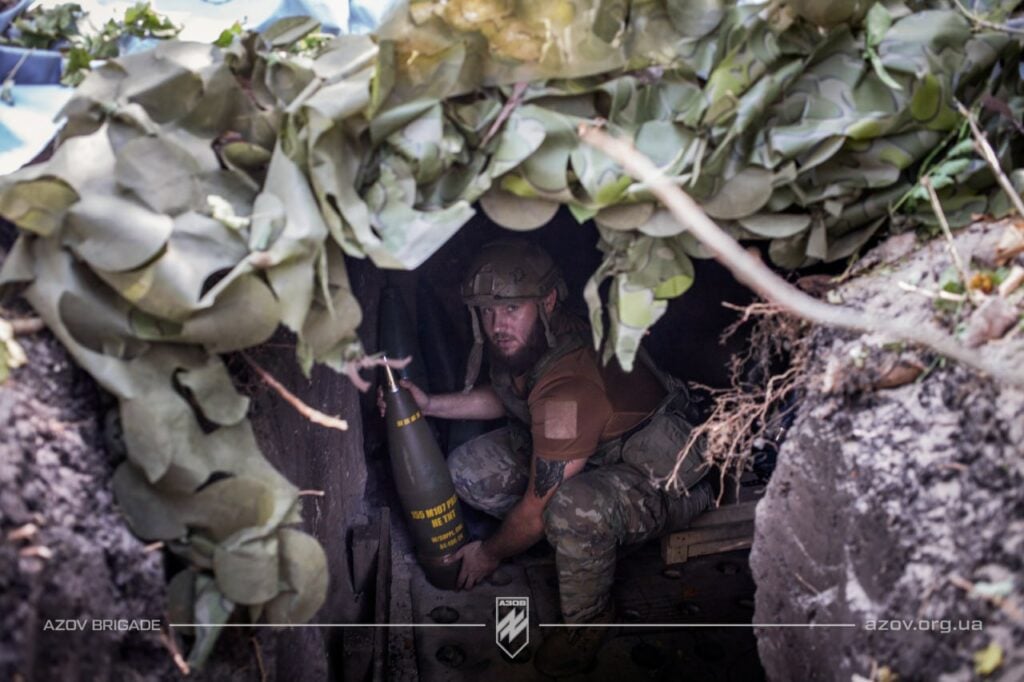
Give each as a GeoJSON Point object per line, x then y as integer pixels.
{"type": "Point", "coordinates": [887, 503]}
{"type": "Point", "coordinates": [55, 474]}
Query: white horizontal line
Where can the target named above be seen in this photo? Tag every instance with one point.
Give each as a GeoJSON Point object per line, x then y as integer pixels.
{"type": "Point", "coordinates": [698, 625]}
{"type": "Point", "coordinates": [543, 625]}
{"type": "Point", "coordinates": [328, 625]}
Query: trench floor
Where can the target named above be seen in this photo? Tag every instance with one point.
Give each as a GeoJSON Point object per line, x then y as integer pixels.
{"type": "Point", "coordinates": [665, 612]}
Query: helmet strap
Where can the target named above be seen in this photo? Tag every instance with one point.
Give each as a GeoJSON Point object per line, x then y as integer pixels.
{"type": "Point", "coordinates": [476, 354]}
{"type": "Point", "coordinates": [548, 334]}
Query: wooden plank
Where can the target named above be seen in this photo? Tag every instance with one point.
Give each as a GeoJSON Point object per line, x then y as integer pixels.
{"type": "Point", "coordinates": [719, 530]}
{"type": "Point", "coordinates": [365, 650]}
{"type": "Point", "coordinates": [720, 546]}
{"type": "Point", "coordinates": [676, 552]}
{"type": "Point", "coordinates": [744, 511]}
{"type": "Point", "coordinates": [727, 532]}
{"type": "Point", "coordinates": [382, 598]}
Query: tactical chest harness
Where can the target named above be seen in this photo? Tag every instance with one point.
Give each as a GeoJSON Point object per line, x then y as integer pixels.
{"type": "Point", "coordinates": [502, 383]}
{"type": "Point", "coordinates": [517, 406]}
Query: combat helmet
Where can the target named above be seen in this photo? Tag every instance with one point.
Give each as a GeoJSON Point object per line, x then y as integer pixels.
{"type": "Point", "coordinates": [506, 271]}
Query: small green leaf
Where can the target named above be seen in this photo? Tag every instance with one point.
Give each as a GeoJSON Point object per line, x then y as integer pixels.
{"type": "Point", "coordinates": [877, 24]}
{"type": "Point", "coordinates": [227, 36]}
{"type": "Point", "coordinates": [883, 75]}
{"type": "Point", "coordinates": [988, 660]}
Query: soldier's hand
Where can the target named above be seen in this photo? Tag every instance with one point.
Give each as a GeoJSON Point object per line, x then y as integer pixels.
{"type": "Point", "coordinates": [477, 564]}
{"type": "Point", "coordinates": [418, 394]}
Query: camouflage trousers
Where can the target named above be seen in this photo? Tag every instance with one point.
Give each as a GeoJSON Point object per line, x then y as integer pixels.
{"type": "Point", "coordinates": [606, 506]}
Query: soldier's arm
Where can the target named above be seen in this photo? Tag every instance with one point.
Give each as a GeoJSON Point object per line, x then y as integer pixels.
{"type": "Point", "coordinates": [480, 403]}
{"type": "Point", "coordinates": [523, 526]}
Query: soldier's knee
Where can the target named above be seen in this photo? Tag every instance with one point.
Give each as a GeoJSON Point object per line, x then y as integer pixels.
{"type": "Point", "coordinates": [574, 512]}
{"type": "Point", "coordinates": [460, 464]}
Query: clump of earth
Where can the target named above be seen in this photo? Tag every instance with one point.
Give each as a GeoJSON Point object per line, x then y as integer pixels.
{"type": "Point", "coordinates": [67, 557]}
{"type": "Point", "coordinates": [897, 510]}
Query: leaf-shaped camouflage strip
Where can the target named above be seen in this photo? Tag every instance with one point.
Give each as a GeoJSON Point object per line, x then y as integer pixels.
{"type": "Point", "coordinates": [211, 388]}
{"type": "Point", "coordinates": [330, 327]}
{"type": "Point", "coordinates": [213, 608]}
{"type": "Point", "coordinates": [152, 514]}
{"type": "Point", "coordinates": [245, 314]}
{"type": "Point", "coordinates": [170, 287]}
{"type": "Point", "coordinates": [201, 197]}
{"type": "Point", "coordinates": [248, 573]}
{"type": "Point", "coordinates": [409, 236]}
{"type": "Point", "coordinates": [116, 234]}
{"type": "Point", "coordinates": [517, 213]}
{"type": "Point", "coordinates": [304, 568]}
{"type": "Point", "coordinates": [159, 173]}
{"type": "Point", "coordinates": [181, 598]}
{"type": "Point", "coordinates": [38, 205]}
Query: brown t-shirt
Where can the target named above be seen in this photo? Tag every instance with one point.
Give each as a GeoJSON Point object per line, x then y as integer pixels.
{"type": "Point", "coordinates": [578, 404]}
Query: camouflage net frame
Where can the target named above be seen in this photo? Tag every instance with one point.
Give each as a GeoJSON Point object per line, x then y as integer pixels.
{"type": "Point", "coordinates": [201, 197]}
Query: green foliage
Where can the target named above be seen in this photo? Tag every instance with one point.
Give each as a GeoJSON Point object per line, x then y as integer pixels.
{"type": "Point", "coordinates": [140, 21]}
{"type": "Point", "coordinates": [203, 196]}
{"type": "Point", "coordinates": [60, 28]}
{"type": "Point", "coordinates": [876, 25]}
{"type": "Point", "coordinates": [47, 29]}
{"type": "Point", "coordinates": [228, 35]}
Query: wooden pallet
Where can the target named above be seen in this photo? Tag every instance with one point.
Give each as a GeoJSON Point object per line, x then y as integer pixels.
{"type": "Point", "coordinates": [724, 529]}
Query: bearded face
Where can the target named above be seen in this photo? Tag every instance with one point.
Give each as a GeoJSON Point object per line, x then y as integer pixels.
{"type": "Point", "coordinates": [515, 335]}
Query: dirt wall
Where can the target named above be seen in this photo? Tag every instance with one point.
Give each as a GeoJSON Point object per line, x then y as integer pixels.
{"type": "Point", "coordinates": [888, 504]}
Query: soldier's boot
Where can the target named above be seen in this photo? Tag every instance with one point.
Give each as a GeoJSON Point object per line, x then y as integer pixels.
{"type": "Point", "coordinates": [573, 650]}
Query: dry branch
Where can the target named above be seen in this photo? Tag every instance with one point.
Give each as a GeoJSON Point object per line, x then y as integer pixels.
{"type": "Point", "coordinates": [989, 154]}
{"type": "Point", "coordinates": [941, 294]}
{"type": "Point", "coordinates": [26, 326]}
{"type": "Point", "coordinates": [1012, 281]}
{"type": "Point", "coordinates": [755, 274]}
{"type": "Point", "coordinates": [1007, 605]}
{"type": "Point", "coordinates": [313, 415]}
{"type": "Point", "coordinates": [26, 532]}
{"type": "Point", "coordinates": [513, 101]}
{"type": "Point", "coordinates": [958, 262]}
{"type": "Point", "coordinates": [985, 23]}
{"type": "Point", "coordinates": [167, 639]}
{"type": "Point", "coordinates": [259, 660]}
{"type": "Point", "coordinates": [352, 368]}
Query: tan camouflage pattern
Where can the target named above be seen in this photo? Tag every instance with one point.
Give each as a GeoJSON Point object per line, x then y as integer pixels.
{"type": "Point", "coordinates": [610, 504]}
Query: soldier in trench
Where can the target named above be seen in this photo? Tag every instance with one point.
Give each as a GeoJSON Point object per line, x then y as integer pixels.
{"type": "Point", "coordinates": [579, 460]}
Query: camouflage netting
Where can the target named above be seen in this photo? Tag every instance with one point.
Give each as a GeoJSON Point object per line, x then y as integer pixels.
{"type": "Point", "coordinates": [201, 197]}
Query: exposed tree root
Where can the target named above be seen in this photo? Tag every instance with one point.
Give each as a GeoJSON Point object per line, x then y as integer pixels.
{"type": "Point", "coordinates": [748, 415]}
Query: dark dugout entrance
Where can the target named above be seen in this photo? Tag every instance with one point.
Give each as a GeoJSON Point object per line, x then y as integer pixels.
{"type": "Point", "coordinates": [653, 589]}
